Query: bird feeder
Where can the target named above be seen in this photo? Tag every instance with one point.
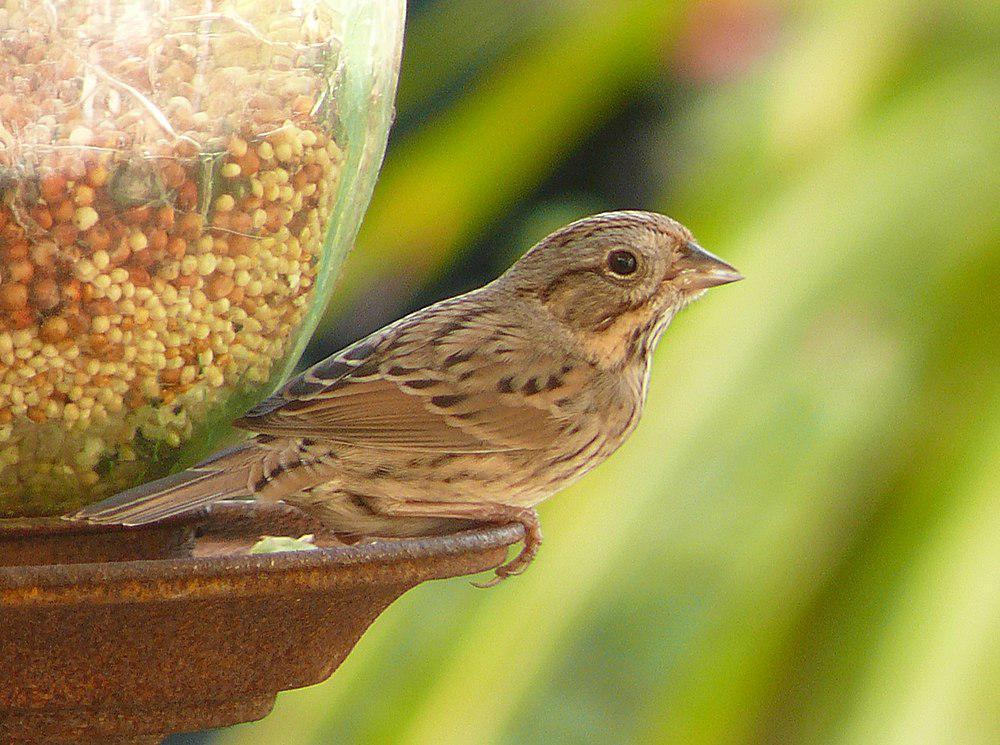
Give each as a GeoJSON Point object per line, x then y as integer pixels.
{"type": "Point", "coordinates": [179, 183]}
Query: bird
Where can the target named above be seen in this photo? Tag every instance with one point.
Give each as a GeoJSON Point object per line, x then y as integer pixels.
{"type": "Point", "coordinates": [472, 410]}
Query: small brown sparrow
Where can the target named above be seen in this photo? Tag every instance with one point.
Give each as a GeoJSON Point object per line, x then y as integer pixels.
{"type": "Point", "coordinates": [472, 410]}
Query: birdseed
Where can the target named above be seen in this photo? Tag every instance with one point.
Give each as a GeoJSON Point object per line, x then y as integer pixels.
{"type": "Point", "coordinates": [167, 177]}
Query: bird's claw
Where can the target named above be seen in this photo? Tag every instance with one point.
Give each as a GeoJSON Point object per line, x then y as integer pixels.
{"type": "Point", "coordinates": [520, 563]}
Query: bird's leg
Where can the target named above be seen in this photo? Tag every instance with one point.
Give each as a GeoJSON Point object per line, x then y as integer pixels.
{"type": "Point", "coordinates": [487, 512]}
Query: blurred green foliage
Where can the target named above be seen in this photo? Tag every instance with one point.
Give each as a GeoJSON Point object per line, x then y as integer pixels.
{"type": "Point", "coordinates": [801, 543]}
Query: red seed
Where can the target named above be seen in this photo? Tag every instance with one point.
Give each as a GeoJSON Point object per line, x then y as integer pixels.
{"type": "Point", "coordinates": [13, 296]}
{"type": "Point", "coordinates": [219, 286]}
{"type": "Point", "coordinates": [45, 295]}
{"type": "Point", "coordinates": [63, 211]}
{"type": "Point", "coordinates": [97, 238]}
{"type": "Point", "coordinates": [21, 319]}
{"type": "Point", "coordinates": [187, 196]}
{"type": "Point", "coordinates": [165, 217]}
{"type": "Point", "coordinates": [65, 234]}
{"type": "Point", "coordinates": [36, 414]}
{"type": "Point", "coordinates": [54, 330]}
{"type": "Point", "coordinates": [70, 291]}
{"type": "Point", "coordinates": [43, 217]}
{"type": "Point", "coordinates": [137, 215]}
{"type": "Point", "coordinates": [53, 187]}
{"type": "Point", "coordinates": [139, 276]}
{"type": "Point", "coordinates": [16, 250]}
{"type": "Point", "coordinates": [191, 225]}
{"type": "Point", "coordinates": [157, 240]}
{"type": "Point", "coordinates": [249, 164]}
{"type": "Point", "coordinates": [177, 247]}
{"type": "Point", "coordinates": [173, 175]}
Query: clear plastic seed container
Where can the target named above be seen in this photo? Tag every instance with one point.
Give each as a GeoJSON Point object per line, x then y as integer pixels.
{"type": "Point", "coordinates": [179, 181]}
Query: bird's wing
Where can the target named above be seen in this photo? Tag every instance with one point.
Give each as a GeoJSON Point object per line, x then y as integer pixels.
{"type": "Point", "coordinates": [452, 378]}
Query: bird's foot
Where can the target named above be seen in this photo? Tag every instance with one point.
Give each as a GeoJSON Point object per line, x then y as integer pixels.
{"type": "Point", "coordinates": [487, 512]}
{"type": "Point", "coordinates": [528, 519]}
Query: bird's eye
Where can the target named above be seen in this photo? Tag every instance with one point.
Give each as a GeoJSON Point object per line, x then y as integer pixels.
{"type": "Point", "coordinates": [622, 262]}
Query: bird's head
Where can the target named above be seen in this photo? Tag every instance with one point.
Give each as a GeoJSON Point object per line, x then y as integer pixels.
{"type": "Point", "coordinates": [616, 279]}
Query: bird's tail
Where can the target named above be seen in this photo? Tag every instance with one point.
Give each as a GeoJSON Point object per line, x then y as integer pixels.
{"type": "Point", "coordinates": [224, 475]}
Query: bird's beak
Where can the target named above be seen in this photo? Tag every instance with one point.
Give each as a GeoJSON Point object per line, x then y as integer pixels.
{"type": "Point", "coordinates": [697, 269]}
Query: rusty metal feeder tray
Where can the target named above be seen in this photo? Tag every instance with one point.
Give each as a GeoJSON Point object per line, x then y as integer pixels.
{"type": "Point", "coordinates": [113, 635]}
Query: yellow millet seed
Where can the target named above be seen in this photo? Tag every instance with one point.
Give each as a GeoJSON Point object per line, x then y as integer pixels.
{"type": "Point", "coordinates": [214, 376]}
{"type": "Point", "coordinates": [138, 241]}
{"type": "Point", "coordinates": [207, 264]}
{"type": "Point", "coordinates": [84, 218]}
{"type": "Point", "coordinates": [85, 270]}
{"type": "Point", "coordinates": [237, 146]}
{"type": "Point", "coordinates": [283, 151]}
